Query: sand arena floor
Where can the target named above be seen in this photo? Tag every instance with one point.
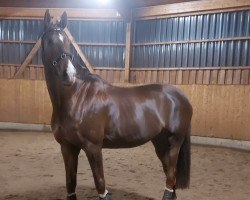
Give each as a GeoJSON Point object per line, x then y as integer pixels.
{"type": "Point", "coordinates": [31, 167]}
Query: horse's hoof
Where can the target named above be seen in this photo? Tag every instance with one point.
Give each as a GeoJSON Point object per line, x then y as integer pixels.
{"type": "Point", "coordinates": [107, 197]}
{"type": "Point", "coordinates": [72, 197]}
{"type": "Point", "coordinates": [169, 195]}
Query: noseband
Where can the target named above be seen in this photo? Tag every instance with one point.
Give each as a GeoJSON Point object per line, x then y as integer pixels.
{"type": "Point", "coordinates": [61, 57]}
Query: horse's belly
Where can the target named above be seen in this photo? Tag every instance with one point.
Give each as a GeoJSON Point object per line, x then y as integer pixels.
{"type": "Point", "coordinates": [130, 136]}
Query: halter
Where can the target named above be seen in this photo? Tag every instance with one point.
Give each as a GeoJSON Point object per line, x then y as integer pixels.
{"type": "Point", "coordinates": [62, 56]}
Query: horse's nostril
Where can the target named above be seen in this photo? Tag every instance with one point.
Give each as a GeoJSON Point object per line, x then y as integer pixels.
{"type": "Point", "coordinates": [65, 74]}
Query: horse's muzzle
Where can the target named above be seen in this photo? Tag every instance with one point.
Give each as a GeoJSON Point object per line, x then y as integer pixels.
{"type": "Point", "coordinates": [68, 79]}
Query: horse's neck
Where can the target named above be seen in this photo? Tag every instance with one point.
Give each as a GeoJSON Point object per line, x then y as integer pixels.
{"type": "Point", "coordinates": [59, 95]}
{"type": "Point", "coordinates": [62, 97]}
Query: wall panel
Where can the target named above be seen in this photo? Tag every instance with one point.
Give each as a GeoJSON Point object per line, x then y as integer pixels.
{"type": "Point", "coordinates": [24, 101]}
{"type": "Point", "coordinates": [219, 111]}
{"type": "Point", "coordinates": [199, 76]}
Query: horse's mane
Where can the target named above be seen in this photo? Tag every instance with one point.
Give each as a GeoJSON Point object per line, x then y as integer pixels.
{"type": "Point", "coordinates": [85, 75]}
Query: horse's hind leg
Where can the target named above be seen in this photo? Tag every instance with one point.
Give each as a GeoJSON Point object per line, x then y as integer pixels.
{"type": "Point", "coordinates": [70, 156]}
{"type": "Point", "coordinates": [167, 147]}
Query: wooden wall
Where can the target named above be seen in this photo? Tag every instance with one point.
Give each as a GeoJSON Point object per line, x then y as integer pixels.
{"type": "Point", "coordinates": [220, 95]}
{"type": "Point", "coordinates": [219, 110]}
{"type": "Point", "coordinates": [181, 76]}
{"type": "Point", "coordinates": [24, 101]}
{"type": "Point", "coordinates": [200, 76]}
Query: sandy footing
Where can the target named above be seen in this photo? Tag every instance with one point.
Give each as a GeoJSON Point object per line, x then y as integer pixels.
{"type": "Point", "coordinates": [31, 168]}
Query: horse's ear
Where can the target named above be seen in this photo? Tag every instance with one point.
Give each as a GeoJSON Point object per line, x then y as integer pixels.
{"type": "Point", "coordinates": [64, 19]}
{"type": "Point", "coordinates": [47, 19]}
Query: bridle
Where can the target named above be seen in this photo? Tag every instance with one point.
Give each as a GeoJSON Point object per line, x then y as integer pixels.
{"type": "Point", "coordinates": [61, 57]}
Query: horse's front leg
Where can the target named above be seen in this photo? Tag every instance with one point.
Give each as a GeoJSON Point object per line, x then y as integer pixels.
{"type": "Point", "coordinates": [70, 155]}
{"type": "Point", "coordinates": [94, 155]}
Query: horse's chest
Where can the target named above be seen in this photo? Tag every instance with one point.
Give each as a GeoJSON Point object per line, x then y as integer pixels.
{"type": "Point", "coordinates": [70, 134]}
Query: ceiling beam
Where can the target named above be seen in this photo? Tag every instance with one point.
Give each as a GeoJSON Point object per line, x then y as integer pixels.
{"type": "Point", "coordinates": [189, 7]}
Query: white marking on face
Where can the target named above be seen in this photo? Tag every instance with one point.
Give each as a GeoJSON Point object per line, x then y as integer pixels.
{"type": "Point", "coordinates": [71, 71]}
{"type": "Point", "coordinates": [60, 37]}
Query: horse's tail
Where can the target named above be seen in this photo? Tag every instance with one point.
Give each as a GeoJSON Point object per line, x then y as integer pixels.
{"type": "Point", "coordinates": [183, 164]}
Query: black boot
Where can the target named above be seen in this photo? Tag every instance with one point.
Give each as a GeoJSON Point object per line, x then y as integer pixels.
{"type": "Point", "coordinates": [169, 195]}
{"type": "Point", "coordinates": [72, 197]}
{"type": "Point", "coordinates": [107, 197]}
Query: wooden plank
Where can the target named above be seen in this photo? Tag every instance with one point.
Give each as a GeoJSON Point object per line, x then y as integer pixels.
{"type": "Point", "coordinates": [147, 76]}
{"type": "Point", "coordinates": [122, 76]}
{"type": "Point", "coordinates": [104, 74]}
{"type": "Point", "coordinates": [132, 78]}
{"type": "Point", "coordinates": [199, 77]}
{"type": "Point", "coordinates": [221, 77]}
{"type": "Point", "coordinates": [127, 51]}
{"type": "Point", "coordinates": [192, 77]}
{"type": "Point", "coordinates": [13, 70]}
{"type": "Point", "coordinates": [153, 76]}
{"type": "Point", "coordinates": [206, 77]}
{"type": "Point", "coordinates": [1, 72]}
{"type": "Point", "coordinates": [110, 74]}
{"type": "Point", "coordinates": [166, 77]}
{"type": "Point", "coordinates": [172, 77]}
{"type": "Point", "coordinates": [116, 76]}
{"type": "Point", "coordinates": [188, 68]}
{"type": "Point", "coordinates": [28, 58]}
{"type": "Point", "coordinates": [79, 51]}
{"type": "Point", "coordinates": [229, 77]}
{"type": "Point", "coordinates": [160, 76]}
{"type": "Point", "coordinates": [26, 73]}
{"type": "Point", "coordinates": [142, 77]}
{"type": "Point", "coordinates": [185, 77]}
{"type": "Point", "coordinates": [189, 7]}
{"type": "Point", "coordinates": [6, 72]}
{"type": "Point", "coordinates": [100, 14]}
{"type": "Point", "coordinates": [179, 75]}
{"type": "Point", "coordinates": [39, 74]}
{"type": "Point", "coordinates": [236, 77]}
{"type": "Point", "coordinates": [214, 77]}
{"type": "Point", "coordinates": [18, 42]}
{"type": "Point", "coordinates": [245, 75]}
{"type": "Point", "coordinates": [191, 41]}
{"type": "Point", "coordinates": [32, 73]}
{"type": "Point", "coordinates": [137, 76]}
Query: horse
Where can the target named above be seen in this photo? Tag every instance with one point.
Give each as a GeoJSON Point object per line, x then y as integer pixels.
{"type": "Point", "coordinates": [90, 114]}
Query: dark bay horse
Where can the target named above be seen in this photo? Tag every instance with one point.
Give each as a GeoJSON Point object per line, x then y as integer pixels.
{"type": "Point", "coordinates": [91, 114]}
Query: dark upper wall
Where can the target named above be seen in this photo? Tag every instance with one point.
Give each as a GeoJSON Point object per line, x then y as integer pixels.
{"type": "Point", "coordinates": [205, 40]}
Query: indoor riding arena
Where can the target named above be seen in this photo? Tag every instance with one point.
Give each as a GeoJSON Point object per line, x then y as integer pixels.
{"type": "Point", "coordinates": [201, 47]}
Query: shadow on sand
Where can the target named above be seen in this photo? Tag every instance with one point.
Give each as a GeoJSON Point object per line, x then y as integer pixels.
{"type": "Point", "coordinates": [84, 193]}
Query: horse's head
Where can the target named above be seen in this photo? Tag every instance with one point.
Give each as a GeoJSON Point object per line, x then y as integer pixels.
{"type": "Point", "coordinates": [56, 55]}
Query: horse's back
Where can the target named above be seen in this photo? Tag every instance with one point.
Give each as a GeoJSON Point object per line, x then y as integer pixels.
{"type": "Point", "coordinates": [149, 108]}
